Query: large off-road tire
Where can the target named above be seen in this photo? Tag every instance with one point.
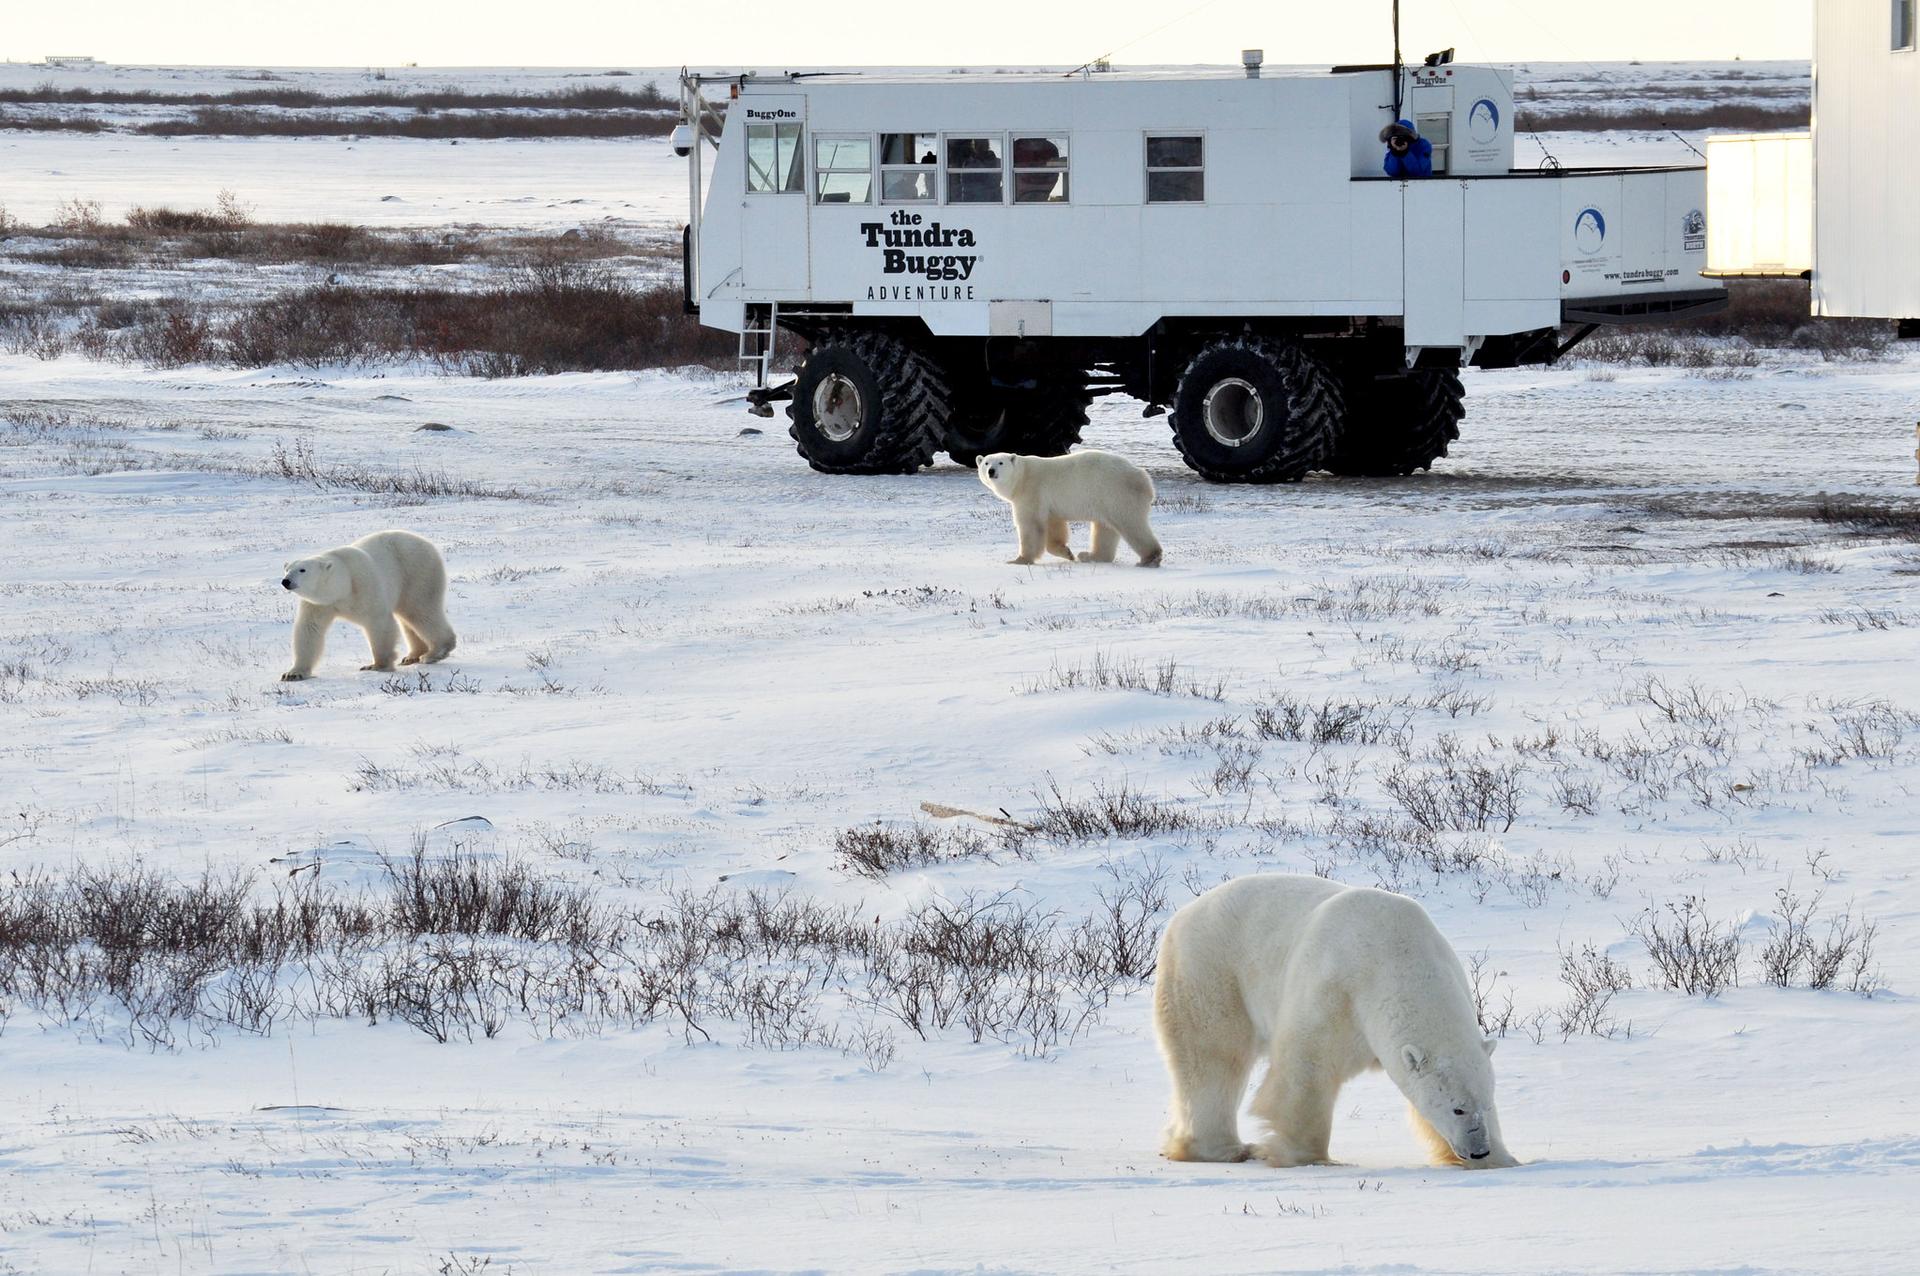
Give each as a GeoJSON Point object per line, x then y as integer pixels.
{"type": "Point", "coordinates": [1043, 421]}
{"type": "Point", "coordinates": [1255, 409]}
{"type": "Point", "coordinates": [866, 402]}
{"type": "Point", "coordinates": [1399, 423]}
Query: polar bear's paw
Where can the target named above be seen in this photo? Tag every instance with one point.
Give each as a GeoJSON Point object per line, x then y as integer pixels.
{"type": "Point", "coordinates": [294, 675]}
{"type": "Point", "coordinates": [1282, 1156]}
{"type": "Point", "coordinates": [1187, 1149]}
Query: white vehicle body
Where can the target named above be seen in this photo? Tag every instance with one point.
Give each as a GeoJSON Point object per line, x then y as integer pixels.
{"type": "Point", "coordinates": [972, 258]}
{"type": "Point", "coordinates": [1295, 217]}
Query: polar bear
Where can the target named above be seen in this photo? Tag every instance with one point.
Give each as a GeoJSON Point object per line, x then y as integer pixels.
{"type": "Point", "coordinates": [388, 583]}
{"type": "Point", "coordinates": [1326, 981]}
{"type": "Point", "coordinates": [1049, 492]}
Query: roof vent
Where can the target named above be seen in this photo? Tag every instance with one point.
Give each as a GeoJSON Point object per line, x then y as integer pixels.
{"type": "Point", "coordinates": [1251, 59]}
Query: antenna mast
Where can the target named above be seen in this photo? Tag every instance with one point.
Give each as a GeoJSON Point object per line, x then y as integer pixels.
{"type": "Point", "coordinates": [1396, 59]}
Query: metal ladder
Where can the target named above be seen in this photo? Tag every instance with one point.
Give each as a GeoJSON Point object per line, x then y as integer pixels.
{"type": "Point", "coordinates": [756, 343]}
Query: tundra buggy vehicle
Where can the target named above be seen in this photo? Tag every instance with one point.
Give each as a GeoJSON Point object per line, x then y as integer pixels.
{"type": "Point", "coordinates": [971, 258]}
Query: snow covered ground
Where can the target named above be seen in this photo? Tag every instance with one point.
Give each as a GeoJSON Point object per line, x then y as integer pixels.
{"type": "Point", "coordinates": [784, 656]}
{"type": "Point", "coordinates": [689, 664]}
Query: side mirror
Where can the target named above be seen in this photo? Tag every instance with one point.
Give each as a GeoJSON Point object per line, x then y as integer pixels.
{"type": "Point", "coordinates": [682, 139]}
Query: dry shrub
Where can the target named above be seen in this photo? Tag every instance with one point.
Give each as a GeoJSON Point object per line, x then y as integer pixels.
{"type": "Point", "coordinates": [176, 336]}
{"type": "Point", "coordinates": [1763, 313]}
{"type": "Point", "coordinates": [1592, 978]}
{"type": "Point", "coordinates": [1901, 521]}
{"type": "Point", "coordinates": [560, 317]}
{"type": "Point", "coordinates": [53, 123]}
{"type": "Point", "coordinates": [1803, 945]}
{"type": "Point", "coordinates": [1692, 953]}
{"type": "Point", "coordinates": [874, 850]}
{"type": "Point", "coordinates": [222, 121]}
{"type": "Point", "coordinates": [577, 97]}
{"type": "Point", "coordinates": [460, 947]}
{"type": "Point", "coordinates": [1739, 117]}
{"type": "Point", "coordinates": [1108, 813]}
{"type": "Point", "coordinates": [553, 318]}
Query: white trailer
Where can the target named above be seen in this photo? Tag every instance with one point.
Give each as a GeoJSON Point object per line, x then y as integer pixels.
{"type": "Point", "coordinates": [971, 258]}
{"type": "Point", "coordinates": [1760, 206]}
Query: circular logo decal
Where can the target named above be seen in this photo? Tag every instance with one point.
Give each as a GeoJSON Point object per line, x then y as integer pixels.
{"type": "Point", "coordinates": [1483, 121]}
{"type": "Point", "coordinates": [1589, 230]}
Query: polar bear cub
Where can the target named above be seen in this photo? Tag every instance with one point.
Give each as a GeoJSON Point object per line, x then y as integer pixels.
{"type": "Point", "coordinates": [1049, 492]}
{"type": "Point", "coordinates": [388, 583]}
{"type": "Point", "coordinates": [1325, 981]}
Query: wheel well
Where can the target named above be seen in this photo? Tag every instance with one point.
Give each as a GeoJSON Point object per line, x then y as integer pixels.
{"type": "Point", "coordinates": [1146, 367]}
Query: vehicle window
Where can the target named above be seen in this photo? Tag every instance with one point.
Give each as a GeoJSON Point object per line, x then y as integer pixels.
{"type": "Point", "coordinates": [1039, 170]}
{"type": "Point", "coordinates": [975, 171]}
{"type": "Point", "coordinates": [1903, 17]}
{"type": "Point", "coordinates": [843, 170]}
{"type": "Point", "coordinates": [1176, 170]}
{"type": "Point", "coordinates": [774, 158]}
{"type": "Point", "coordinates": [909, 167]}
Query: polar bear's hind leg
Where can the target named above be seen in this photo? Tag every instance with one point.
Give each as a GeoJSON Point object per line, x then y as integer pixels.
{"type": "Point", "coordinates": [1208, 1043]}
{"type": "Point", "coordinates": [429, 636]}
{"type": "Point", "coordinates": [417, 647]}
{"type": "Point", "coordinates": [1140, 539]}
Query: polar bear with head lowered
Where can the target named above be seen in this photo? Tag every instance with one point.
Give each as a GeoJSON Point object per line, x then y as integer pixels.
{"type": "Point", "coordinates": [1325, 981]}
{"type": "Point", "coordinates": [388, 583]}
{"type": "Point", "coordinates": [1049, 492]}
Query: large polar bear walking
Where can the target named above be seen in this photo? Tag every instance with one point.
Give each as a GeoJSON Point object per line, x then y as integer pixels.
{"type": "Point", "coordinates": [1326, 981]}
{"type": "Point", "coordinates": [388, 583]}
{"type": "Point", "coordinates": [1091, 486]}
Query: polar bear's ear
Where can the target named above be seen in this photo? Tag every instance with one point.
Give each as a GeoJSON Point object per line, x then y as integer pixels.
{"type": "Point", "coordinates": [1413, 1057]}
{"type": "Point", "coordinates": [1487, 1044]}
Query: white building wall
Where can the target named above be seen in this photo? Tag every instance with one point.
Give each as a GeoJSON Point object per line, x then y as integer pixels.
{"type": "Point", "coordinates": [1866, 98]}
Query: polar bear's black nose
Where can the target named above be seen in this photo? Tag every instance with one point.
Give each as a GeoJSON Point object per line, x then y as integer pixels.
{"type": "Point", "coordinates": [286, 582]}
{"type": "Point", "coordinates": [1481, 1156]}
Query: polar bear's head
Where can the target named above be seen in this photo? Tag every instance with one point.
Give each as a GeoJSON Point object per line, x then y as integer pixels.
{"type": "Point", "coordinates": [1454, 1094]}
{"type": "Point", "coordinates": [318, 580]}
{"type": "Point", "coordinates": [996, 470]}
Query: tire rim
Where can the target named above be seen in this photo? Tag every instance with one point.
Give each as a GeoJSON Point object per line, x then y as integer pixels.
{"type": "Point", "coordinates": [837, 409]}
{"type": "Point", "coordinates": [1232, 412]}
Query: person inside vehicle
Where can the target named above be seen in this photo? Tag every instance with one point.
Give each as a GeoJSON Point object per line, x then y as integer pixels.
{"type": "Point", "coordinates": [1408, 154]}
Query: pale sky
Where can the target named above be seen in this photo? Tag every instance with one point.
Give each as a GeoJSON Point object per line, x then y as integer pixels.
{"type": "Point", "coordinates": [794, 33]}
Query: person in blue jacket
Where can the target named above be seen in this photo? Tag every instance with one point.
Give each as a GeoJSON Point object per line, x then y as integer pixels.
{"type": "Point", "coordinates": [1408, 154]}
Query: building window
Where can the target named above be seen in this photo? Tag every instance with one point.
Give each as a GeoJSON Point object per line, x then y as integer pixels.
{"type": "Point", "coordinates": [1176, 170]}
{"type": "Point", "coordinates": [1040, 170]}
{"type": "Point", "coordinates": [976, 171]}
{"type": "Point", "coordinates": [909, 168]}
{"type": "Point", "coordinates": [1902, 24]}
{"type": "Point", "coordinates": [773, 158]}
{"type": "Point", "coordinates": [843, 170]}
